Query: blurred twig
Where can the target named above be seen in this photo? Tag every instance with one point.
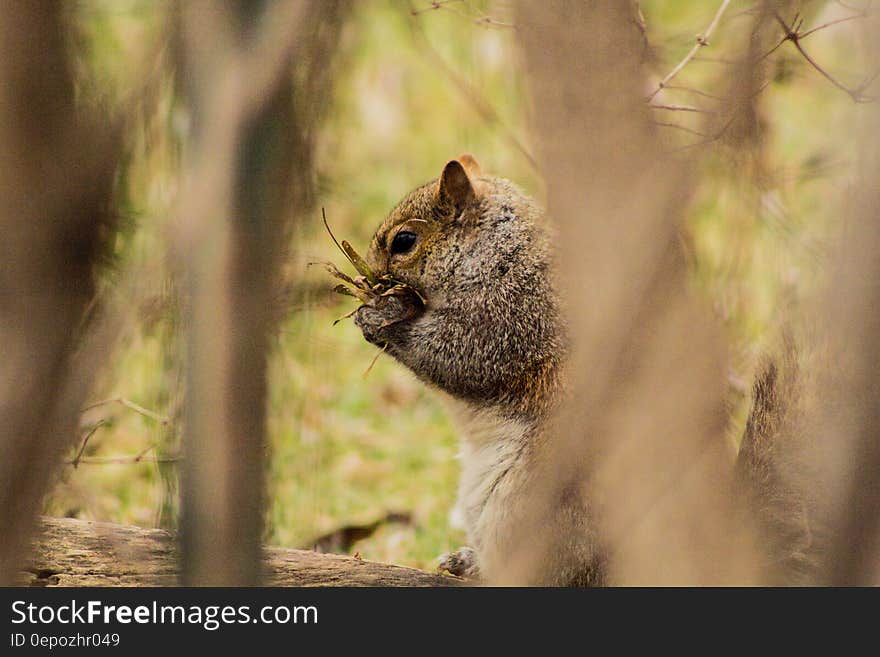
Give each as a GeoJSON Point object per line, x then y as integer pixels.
{"type": "Point", "coordinates": [664, 124]}
{"type": "Point", "coordinates": [435, 4]}
{"type": "Point", "coordinates": [140, 410]}
{"type": "Point", "coordinates": [140, 457]}
{"type": "Point", "coordinates": [861, 14]}
{"type": "Point", "coordinates": [680, 108]}
{"type": "Point", "coordinates": [478, 19]}
{"type": "Point", "coordinates": [477, 100]}
{"type": "Point", "coordinates": [702, 42]}
{"type": "Point", "coordinates": [125, 460]}
{"type": "Point", "coordinates": [731, 116]}
{"type": "Point", "coordinates": [793, 34]}
{"type": "Point", "coordinates": [85, 441]}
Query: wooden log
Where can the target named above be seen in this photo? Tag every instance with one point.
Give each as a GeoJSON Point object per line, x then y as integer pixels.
{"type": "Point", "coordinates": [70, 552]}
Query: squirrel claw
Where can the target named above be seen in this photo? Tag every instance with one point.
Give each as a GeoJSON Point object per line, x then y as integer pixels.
{"type": "Point", "coordinates": [373, 320]}
{"type": "Point", "coordinates": [462, 563]}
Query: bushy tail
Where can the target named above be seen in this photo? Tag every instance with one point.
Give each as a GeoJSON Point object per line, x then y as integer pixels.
{"type": "Point", "coordinates": [770, 475]}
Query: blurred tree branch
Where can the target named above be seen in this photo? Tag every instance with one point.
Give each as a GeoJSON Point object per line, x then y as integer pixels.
{"type": "Point", "coordinates": [642, 430]}
{"type": "Point", "coordinates": [854, 429]}
{"type": "Point", "coordinates": [251, 77]}
{"type": "Point", "coordinates": [57, 165]}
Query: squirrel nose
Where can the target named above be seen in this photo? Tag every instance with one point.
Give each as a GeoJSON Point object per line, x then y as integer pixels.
{"type": "Point", "coordinates": [378, 263]}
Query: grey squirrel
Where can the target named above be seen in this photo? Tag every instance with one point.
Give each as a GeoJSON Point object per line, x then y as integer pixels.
{"type": "Point", "coordinates": [491, 336]}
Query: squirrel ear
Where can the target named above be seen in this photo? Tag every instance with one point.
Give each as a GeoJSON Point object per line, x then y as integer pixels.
{"type": "Point", "coordinates": [455, 186]}
{"type": "Point", "coordinates": [470, 165]}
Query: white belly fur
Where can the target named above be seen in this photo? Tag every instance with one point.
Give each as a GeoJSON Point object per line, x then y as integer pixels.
{"type": "Point", "coordinates": [491, 445]}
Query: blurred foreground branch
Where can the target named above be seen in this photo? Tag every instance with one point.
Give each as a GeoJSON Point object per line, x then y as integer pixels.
{"type": "Point", "coordinates": [853, 303]}
{"type": "Point", "coordinates": [250, 77]}
{"type": "Point", "coordinates": [57, 165]}
{"type": "Point", "coordinates": [643, 429]}
{"type": "Point", "coordinates": [810, 456]}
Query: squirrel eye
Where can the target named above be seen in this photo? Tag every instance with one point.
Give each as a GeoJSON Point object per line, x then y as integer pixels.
{"type": "Point", "coordinates": [402, 242]}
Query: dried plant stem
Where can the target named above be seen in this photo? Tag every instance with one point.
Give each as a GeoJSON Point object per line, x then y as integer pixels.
{"type": "Point", "coordinates": [373, 362]}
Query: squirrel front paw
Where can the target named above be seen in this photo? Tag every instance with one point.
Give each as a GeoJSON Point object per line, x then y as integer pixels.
{"type": "Point", "coordinates": [462, 562]}
{"type": "Point", "coordinates": [375, 319]}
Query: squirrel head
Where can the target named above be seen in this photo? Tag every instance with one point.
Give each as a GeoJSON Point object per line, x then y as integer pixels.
{"type": "Point", "coordinates": [443, 232]}
{"type": "Point", "coordinates": [479, 252]}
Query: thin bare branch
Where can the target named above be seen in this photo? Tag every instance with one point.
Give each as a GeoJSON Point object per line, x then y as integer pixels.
{"type": "Point", "coordinates": [680, 108]}
{"type": "Point", "coordinates": [469, 13]}
{"type": "Point", "coordinates": [435, 4]}
{"type": "Point", "coordinates": [483, 107]}
{"type": "Point", "coordinates": [673, 87]}
{"type": "Point", "coordinates": [717, 60]}
{"type": "Point", "coordinates": [718, 134]}
{"type": "Point", "coordinates": [124, 460]}
{"type": "Point", "coordinates": [793, 34]}
{"type": "Point", "coordinates": [85, 441]}
{"type": "Point", "coordinates": [488, 21]}
{"type": "Point", "coordinates": [663, 124]}
{"type": "Point", "coordinates": [862, 14]}
{"type": "Point", "coordinates": [137, 408]}
{"type": "Point", "coordinates": [702, 42]}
